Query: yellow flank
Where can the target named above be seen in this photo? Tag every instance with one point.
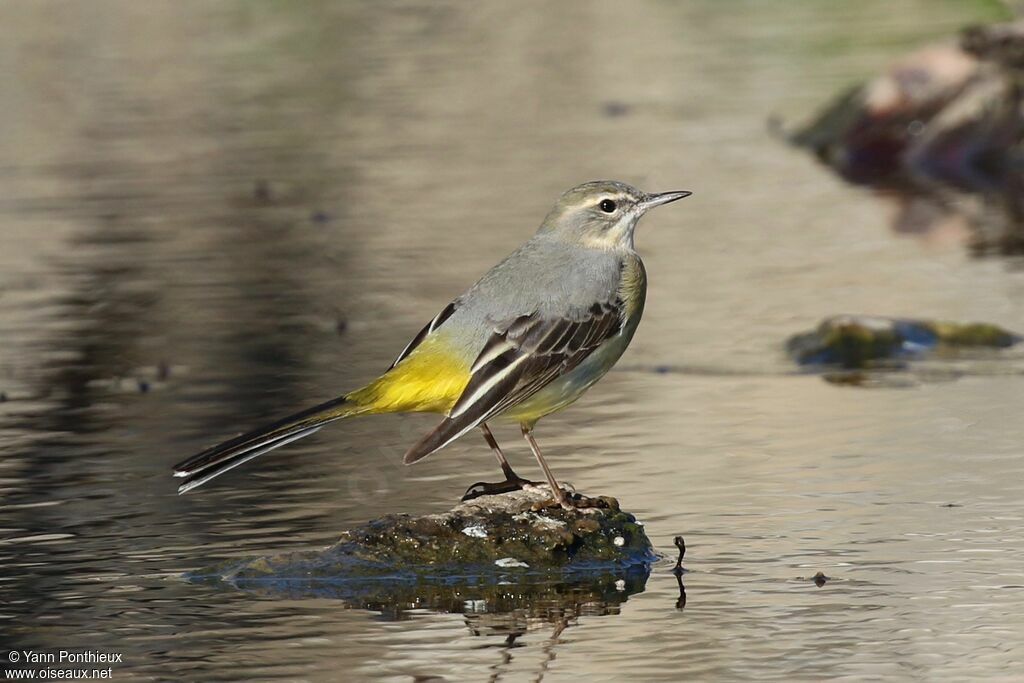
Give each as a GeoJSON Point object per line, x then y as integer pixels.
{"type": "Point", "coordinates": [633, 287]}
{"type": "Point", "coordinates": [430, 380]}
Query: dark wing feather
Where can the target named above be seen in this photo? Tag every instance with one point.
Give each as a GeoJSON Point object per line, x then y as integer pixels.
{"type": "Point", "coordinates": [427, 329]}
{"type": "Point", "coordinates": [522, 356]}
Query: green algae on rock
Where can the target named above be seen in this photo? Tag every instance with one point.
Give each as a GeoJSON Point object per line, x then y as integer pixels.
{"type": "Point", "coordinates": [485, 539]}
{"type": "Point", "coordinates": [860, 341]}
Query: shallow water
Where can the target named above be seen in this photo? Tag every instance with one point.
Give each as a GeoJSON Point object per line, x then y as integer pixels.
{"type": "Point", "coordinates": [213, 214]}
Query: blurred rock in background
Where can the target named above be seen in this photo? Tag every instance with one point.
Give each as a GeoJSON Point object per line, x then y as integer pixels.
{"type": "Point", "coordinates": [943, 131]}
{"type": "Point", "coordinates": [858, 341]}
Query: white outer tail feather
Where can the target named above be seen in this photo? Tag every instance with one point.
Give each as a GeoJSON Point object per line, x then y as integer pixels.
{"type": "Point", "coordinates": [256, 452]}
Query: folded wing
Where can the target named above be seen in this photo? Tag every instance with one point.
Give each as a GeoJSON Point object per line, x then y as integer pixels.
{"type": "Point", "coordinates": [522, 356]}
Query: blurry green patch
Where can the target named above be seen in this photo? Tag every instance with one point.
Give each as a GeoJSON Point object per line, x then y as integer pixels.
{"type": "Point", "coordinates": [869, 341]}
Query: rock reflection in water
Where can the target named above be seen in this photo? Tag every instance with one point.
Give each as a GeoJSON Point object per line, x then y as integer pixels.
{"type": "Point", "coordinates": [501, 604]}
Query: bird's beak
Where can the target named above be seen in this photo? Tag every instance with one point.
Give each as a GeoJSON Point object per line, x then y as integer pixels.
{"type": "Point", "coordinates": [653, 200]}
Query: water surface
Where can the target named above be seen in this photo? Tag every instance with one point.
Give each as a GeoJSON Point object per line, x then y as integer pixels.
{"type": "Point", "coordinates": [215, 213]}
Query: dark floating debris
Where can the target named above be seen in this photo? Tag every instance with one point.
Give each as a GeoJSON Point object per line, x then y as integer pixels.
{"type": "Point", "coordinates": [615, 109]}
{"type": "Point", "coordinates": [679, 571]}
{"type": "Point", "coordinates": [940, 124]}
{"type": "Point", "coordinates": [852, 342]}
{"type": "Point", "coordinates": [163, 371]}
{"type": "Point", "coordinates": [3, 396]}
{"type": "Point", "coordinates": [818, 579]}
{"type": "Point", "coordinates": [494, 549]}
{"type": "Point", "coordinates": [681, 545]}
{"type": "Point", "coordinates": [143, 386]}
{"type": "Point", "coordinates": [261, 192]}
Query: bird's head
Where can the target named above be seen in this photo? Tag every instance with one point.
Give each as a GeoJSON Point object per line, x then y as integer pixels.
{"type": "Point", "coordinates": [602, 213]}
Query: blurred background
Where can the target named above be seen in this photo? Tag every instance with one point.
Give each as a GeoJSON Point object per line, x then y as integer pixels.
{"type": "Point", "coordinates": [213, 214]}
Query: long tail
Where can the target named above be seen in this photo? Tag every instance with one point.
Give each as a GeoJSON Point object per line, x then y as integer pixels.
{"type": "Point", "coordinates": [218, 459]}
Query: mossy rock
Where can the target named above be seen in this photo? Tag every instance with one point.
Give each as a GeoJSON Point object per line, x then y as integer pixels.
{"type": "Point", "coordinates": [863, 341]}
{"type": "Point", "coordinates": [478, 550]}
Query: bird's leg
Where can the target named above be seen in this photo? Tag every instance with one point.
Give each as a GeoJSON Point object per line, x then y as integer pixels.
{"type": "Point", "coordinates": [513, 482]}
{"type": "Point", "coordinates": [510, 474]}
{"type": "Point", "coordinates": [556, 491]}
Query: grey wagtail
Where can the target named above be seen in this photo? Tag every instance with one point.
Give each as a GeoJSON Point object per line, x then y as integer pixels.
{"type": "Point", "coordinates": [528, 339]}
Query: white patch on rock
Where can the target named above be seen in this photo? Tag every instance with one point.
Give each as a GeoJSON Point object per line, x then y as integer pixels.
{"type": "Point", "coordinates": [619, 541]}
{"type": "Point", "coordinates": [476, 531]}
{"type": "Point", "coordinates": [510, 562]}
{"type": "Point", "coordinates": [620, 585]}
{"type": "Point", "coordinates": [549, 522]}
{"type": "Point", "coordinates": [538, 520]}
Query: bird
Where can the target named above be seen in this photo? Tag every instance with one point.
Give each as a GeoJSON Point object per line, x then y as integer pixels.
{"type": "Point", "coordinates": [526, 340]}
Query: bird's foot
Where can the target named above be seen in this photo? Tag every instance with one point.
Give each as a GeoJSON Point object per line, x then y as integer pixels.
{"type": "Point", "coordinates": [483, 488]}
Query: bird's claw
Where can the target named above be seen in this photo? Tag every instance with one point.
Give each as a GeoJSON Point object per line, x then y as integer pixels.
{"type": "Point", "coordinates": [483, 488]}
{"type": "Point", "coordinates": [576, 501]}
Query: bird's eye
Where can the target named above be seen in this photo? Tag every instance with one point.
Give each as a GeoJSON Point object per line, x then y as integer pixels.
{"type": "Point", "coordinates": [607, 205]}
